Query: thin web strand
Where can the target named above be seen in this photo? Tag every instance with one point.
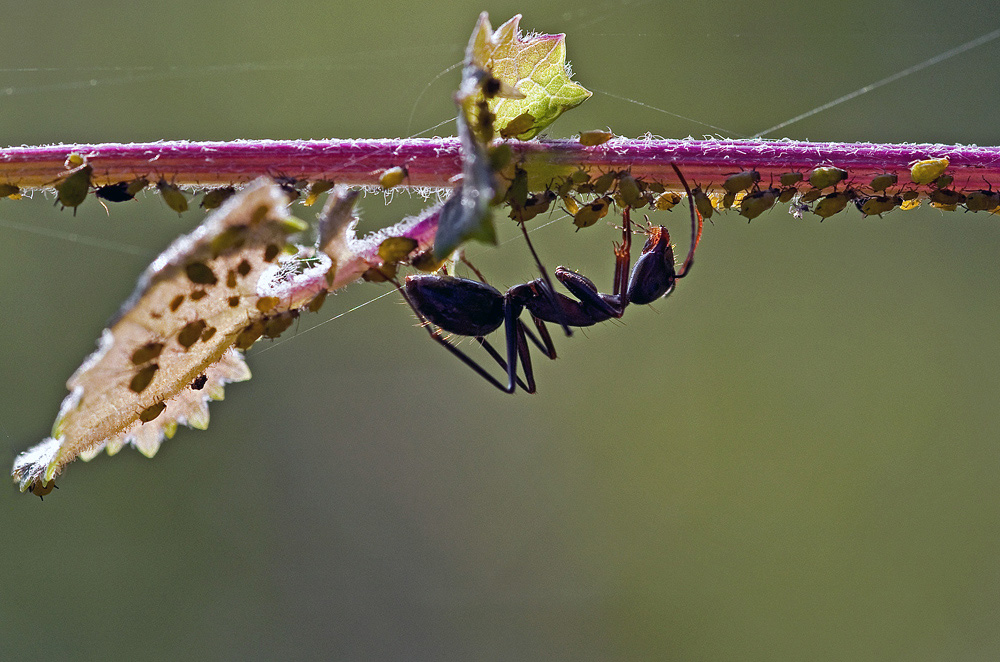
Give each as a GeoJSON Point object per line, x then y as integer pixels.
{"type": "Point", "coordinates": [958, 50]}
{"type": "Point", "coordinates": [667, 112]}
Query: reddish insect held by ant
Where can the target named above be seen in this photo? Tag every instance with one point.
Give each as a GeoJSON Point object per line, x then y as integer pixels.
{"type": "Point", "coordinates": [465, 307]}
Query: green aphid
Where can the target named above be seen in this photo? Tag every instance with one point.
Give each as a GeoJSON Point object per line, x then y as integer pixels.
{"type": "Point", "coordinates": [944, 181]}
{"type": "Point", "coordinates": [947, 197]}
{"type": "Point", "coordinates": [592, 212]}
{"type": "Point", "coordinates": [728, 200]}
{"type": "Point", "coordinates": [811, 195]}
{"type": "Point", "coordinates": [884, 181]}
{"type": "Point", "coordinates": [248, 336]}
{"type": "Point", "coordinates": [878, 204]}
{"type": "Point", "coordinates": [566, 187]}
{"type": "Point", "coordinates": [787, 194]}
{"type": "Point", "coordinates": [147, 353]}
{"type": "Point", "coordinates": [200, 273]}
{"type": "Point", "coordinates": [595, 138]}
{"type": "Point", "coordinates": [150, 413]}
{"type": "Point", "coordinates": [40, 488]}
{"type": "Point", "coordinates": [741, 181]}
{"type": "Point", "coordinates": [580, 176]}
{"type": "Point", "coordinates": [143, 378]}
{"type": "Point", "coordinates": [755, 204]}
{"type": "Point", "coordinates": [520, 124]}
{"type": "Point", "coordinates": [832, 204]}
{"type": "Point", "coordinates": [982, 200]}
{"type": "Point", "coordinates": [703, 202]}
{"type": "Point", "coordinates": [72, 191]}
{"type": "Point", "coordinates": [517, 192]}
{"type": "Point", "coordinates": [136, 185]}
{"type": "Point", "coordinates": [500, 155]}
{"type": "Point", "coordinates": [604, 183]}
{"type": "Point", "coordinates": [213, 199]}
{"type": "Point", "coordinates": [628, 187]}
{"type": "Point", "coordinates": [910, 195]}
{"type": "Point", "coordinates": [277, 325]}
{"type": "Point", "coordinates": [926, 171]}
{"type": "Point", "coordinates": [8, 190]}
{"type": "Point", "coordinates": [172, 196]}
{"type": "Point", "coordinates": [791, 178]}
{"type": "Point", "coordinates": [826, 176]}
{"type": "Point", "coordinates": [536, 204]}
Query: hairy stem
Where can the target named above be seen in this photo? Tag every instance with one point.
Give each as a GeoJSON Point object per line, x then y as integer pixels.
{"type": "Point", "coordinates": [435, 162]}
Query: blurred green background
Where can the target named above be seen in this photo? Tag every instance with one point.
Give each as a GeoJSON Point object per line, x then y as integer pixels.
{"type": "Point", "coordinates": [794, 457]}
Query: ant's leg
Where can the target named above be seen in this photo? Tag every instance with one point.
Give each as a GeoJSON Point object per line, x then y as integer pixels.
{"type": "Point", "coordinates": [499, 359]}
{"type": "Point", "coordinates": [696, 225]}
{"type": "Point", "coordinates": [546, 346]}
{"type": "Point", "coordinates": [623, 259]}
{"type": "Point", "coordinates": [525, 353]}
{"type": "Point", "coordinates": [466, 262]}
{"type": "Point", "coordinates": [435, 335]}
{"type": "Point", "coordinates": [550, 289]}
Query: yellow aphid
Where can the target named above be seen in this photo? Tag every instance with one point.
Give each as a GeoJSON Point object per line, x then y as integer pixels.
{"type": "Point", "coordinates": [832, 204]}
{"type": "Point", "coordinates": [704, 203]}
{"type": "Point", "coordinates": [982, 200]}
{"type": "Point", "coordinates": [424, 261]}
{"type": "Point", "coordinates": [172, 196]}
{"type": "Point", "coordinates": [882, 182]}
{"type": "Point", "coordinates": [755, 204]}
{"type": "Point", "coordinates": [592, 212]}
{"type": "Point", "coordinates": [393, 177]}
{"type": "Point", "coordinates": [74, 160]}
{"type": "Point", "coordinates": [520, 124]}
{"type": "Point", "coordinates": [943, 207]}
{"type": "Point", "coordinates": [595, 138]}
{"type": "Point", "coordinates": [827, 176]}
{"type": "Point", "coordinates": [910, 204]}
{"type": "Point", "coordinates": [317, 189]}
{"type": "Point", "coordinates": [741, 181]}
{"type": "Point", "coordinates": [667, 200]}
{"type": "Point", "coordinates": [791, 178]}
{"type": "Point", "coordinates": [396, 249]}
{"type": "Point", "coordinates": [925, 172]}
{"type": "Point", "coordinates": [572, 207]}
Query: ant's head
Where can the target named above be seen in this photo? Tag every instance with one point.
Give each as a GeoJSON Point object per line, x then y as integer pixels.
{"type": "Point", "coordinates": [653, 275]}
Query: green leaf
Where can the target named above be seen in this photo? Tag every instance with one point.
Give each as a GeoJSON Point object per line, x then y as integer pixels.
{"type": "Point", "coordinates": [534, 66]}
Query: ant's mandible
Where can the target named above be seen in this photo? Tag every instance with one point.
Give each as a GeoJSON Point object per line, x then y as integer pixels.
{"type": "Point", "coordinates": [467, 307]}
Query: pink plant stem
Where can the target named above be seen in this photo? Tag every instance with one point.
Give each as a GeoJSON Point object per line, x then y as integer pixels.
{"type": "Point", "coordinates": [435, 162]}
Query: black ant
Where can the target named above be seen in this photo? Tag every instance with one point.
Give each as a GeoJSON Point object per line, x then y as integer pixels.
{"type": "Point", "coordinates": [467, 307]}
